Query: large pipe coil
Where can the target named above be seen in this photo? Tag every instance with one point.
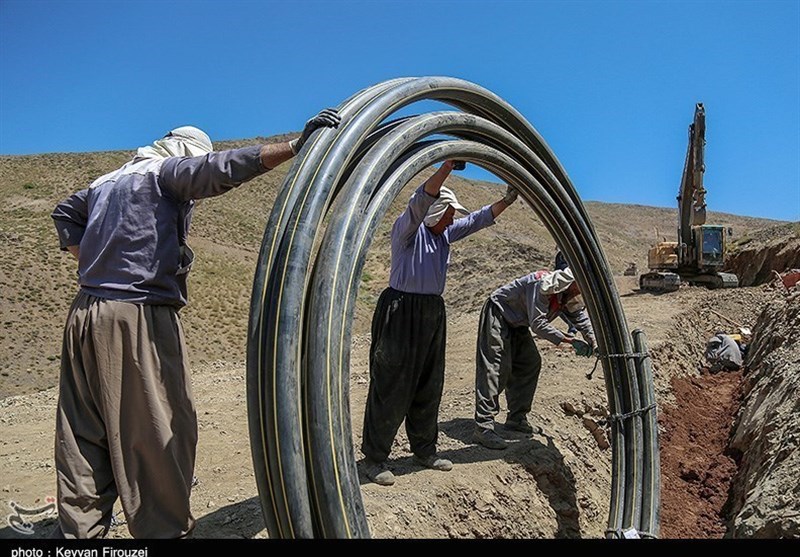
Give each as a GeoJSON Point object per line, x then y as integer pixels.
{"type": "Point", "coordinates": [307, 279]}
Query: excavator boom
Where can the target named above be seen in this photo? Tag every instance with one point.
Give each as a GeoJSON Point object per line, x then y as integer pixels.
{"type": "Point", "coordinates": [698, 255]}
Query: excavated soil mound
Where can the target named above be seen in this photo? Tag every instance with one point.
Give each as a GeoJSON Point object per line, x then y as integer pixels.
{"type": "Point", "coordinates": [766, 493]}
{"type": "Point", "coordinates": [755, 257]}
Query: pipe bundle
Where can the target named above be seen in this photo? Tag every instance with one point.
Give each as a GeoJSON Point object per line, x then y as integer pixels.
{"type": "Point", "coordinates": [325, 216]}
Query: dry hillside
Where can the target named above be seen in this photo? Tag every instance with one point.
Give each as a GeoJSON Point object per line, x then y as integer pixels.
{"type": "Point", "coordinates": [551, 485]}
{"type": "Point", "coordinates": [37, 281]}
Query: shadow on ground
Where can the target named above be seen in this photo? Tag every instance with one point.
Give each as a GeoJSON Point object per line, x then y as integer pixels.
{"type": "Point", "coordinates": [542, 460]}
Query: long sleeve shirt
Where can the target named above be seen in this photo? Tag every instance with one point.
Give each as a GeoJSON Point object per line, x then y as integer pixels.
{"type": "Point", "coordinates": [420, 258]}
{"type": "Point", "coordinates": [522, 303]}
{"type": "Point", "coordinates": [131, 224]}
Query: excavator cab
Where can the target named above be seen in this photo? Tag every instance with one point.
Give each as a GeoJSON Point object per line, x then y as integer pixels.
{"type": "Point", "coordinates": [711, 246]}
{"type": "Point", "coordinates": [705, 265]}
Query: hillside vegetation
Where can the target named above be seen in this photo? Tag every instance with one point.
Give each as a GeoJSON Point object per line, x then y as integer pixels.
{"type": "Point", "coordinates": [38, 281]}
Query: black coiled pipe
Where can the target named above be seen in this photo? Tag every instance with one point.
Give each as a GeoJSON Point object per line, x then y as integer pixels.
{"type": "Point", "coordinates": [304, 297]}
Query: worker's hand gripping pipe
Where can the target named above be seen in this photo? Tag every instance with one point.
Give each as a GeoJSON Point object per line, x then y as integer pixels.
{"type": "Point", "coordinates": [304, 298]}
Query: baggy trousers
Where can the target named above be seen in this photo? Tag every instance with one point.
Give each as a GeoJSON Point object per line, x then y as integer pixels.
{"type": "Point", "coordinates": [126, 424]}
{"type": "Point", "coordinates": [506, 360]}
{"type": "Point", "coordinates": [406, 369]}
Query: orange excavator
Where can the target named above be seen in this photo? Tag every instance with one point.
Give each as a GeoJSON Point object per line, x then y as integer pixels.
{"type": "Point", "coordinates": [699, 254]}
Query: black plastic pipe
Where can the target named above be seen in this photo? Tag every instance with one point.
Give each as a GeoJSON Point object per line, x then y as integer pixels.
{"type": "Point", "coordinates": [302, 305]}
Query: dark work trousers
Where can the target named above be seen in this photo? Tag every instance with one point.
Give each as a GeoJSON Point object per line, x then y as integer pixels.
{"type": "Point", "coordinates": [406, 371]}
{"type": "Point", "coordinates": [506, 360]}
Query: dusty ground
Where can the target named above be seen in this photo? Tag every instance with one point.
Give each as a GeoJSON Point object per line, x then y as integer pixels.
{"type": "Point", "coordinates": [37, 281]}
{"type": "Point", "coordinates": [551, 485]}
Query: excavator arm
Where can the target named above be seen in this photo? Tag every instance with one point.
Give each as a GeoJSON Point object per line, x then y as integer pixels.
{"type": "Point", "coordinates": [692, 195]}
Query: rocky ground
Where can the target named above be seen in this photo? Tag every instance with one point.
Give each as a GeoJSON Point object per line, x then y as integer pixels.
{"type": "Point", "coordinates": [765, 501]}
{"type": "Point", "coordinates": [551, 485]}
{"type": "Point", "coordinates": [754, 257]}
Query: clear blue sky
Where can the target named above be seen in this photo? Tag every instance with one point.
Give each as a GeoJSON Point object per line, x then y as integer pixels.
{"type": "Point", "coordinates": [610, 85]}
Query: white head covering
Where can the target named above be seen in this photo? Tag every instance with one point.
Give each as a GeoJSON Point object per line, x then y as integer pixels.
{"type": "Point", "coordinates": [557, 281]}
{"type": "Point", "coordinates": [436, 211]}
{"type": "Point", "coordinates": [186, 141]}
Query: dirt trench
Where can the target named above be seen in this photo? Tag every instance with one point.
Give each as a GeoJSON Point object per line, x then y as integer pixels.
{"type": "Point", "coordinates": [697, 466]}
{"type": "Point", "coordinates": [723, 467]}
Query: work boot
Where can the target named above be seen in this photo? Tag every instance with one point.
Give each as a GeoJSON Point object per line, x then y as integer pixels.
{"type": "Point", "coordinates": [434, 462]}
{"type": "Point", "coordinates": [489, 439]}
{"type": "Point", "coordinates": [522, 426]}
{"type": "Point", "coordinates": [378, 472]}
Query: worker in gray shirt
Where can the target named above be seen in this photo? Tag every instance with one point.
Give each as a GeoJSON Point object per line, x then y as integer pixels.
{"type": "Point", "coordinates": [723, 353]}
{"type": "Point", "coordinates": [126, 424]}
{"type": "Point", "coordinates": [408, 327]}
{"type": "Point", "coordinates": [507, 358]}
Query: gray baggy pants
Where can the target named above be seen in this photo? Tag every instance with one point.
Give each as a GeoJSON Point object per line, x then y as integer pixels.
{"type": "Point", "coordinates": [126, 425]}
{"type": "Point", "coordinates": [506, 360]}
{"type": "Point", "coordinates": [406, 372]}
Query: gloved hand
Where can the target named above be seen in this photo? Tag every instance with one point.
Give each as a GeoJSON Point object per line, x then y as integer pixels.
{"type": "Point", "coordinates": [459, 165]}
{"type": "Point", "coordinates": [328, 118]}
{"type": "Point", "coordinates": [582, 348]}
{"type": "Point", "coordinates": [511, 195]}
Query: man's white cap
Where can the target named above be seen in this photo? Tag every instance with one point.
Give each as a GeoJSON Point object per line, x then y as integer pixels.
{"type": "Point", "coordinates": [446, 199]}
{"type": "Point", "coordinates": [185, 141]}
{"type": "Point", "coordinates": [195, 137]}
{"type": "Point", "coordinates": [557, 281]}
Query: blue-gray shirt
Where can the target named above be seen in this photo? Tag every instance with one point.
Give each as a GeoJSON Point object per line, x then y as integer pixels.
{"type": "Point", "coordinates": [131, 224]}
{"type": "Point", "coordinates": [522, 303]}
{"type": "Point", "coordinates": [420, 258]}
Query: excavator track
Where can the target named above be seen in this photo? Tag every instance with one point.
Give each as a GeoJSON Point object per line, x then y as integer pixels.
{"type": "Point", "coordinates": [729, 280]}
{"type": "Point", "coordinates": [659, 282]}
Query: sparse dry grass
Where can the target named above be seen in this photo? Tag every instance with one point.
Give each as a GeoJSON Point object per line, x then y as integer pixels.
{"type": "Point", "coordinates": [38, 282]}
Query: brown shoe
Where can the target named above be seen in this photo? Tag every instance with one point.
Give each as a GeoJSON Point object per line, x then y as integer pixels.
{"type": "Point", "coordinates": [489, 439]}
{"type": "Point", "coordinates": [434, 462]}
{"type": "Point", "coordinates": [522, 426]}
{"type": "Point", "coordinates": [378, 472]}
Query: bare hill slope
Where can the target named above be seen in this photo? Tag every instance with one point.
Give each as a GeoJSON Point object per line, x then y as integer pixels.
{"type": "Point", "coordinates": [553, 485]}
{"type": "Point", "coordinates": [38, 281]}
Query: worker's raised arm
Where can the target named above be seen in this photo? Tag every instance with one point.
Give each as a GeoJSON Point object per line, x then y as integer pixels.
{"type": "Point", "coordinates": [407, 224]}
{"type": "Point", "coordinates": [186, 178]}
{"type": "Point", "coordinates": [213, 174]}
{"type": "Point", "coordinates": [274, 154]}
{"type": "Point", "coordinates": [499, 206]}
{"type": "Point", "coordinates": [433, 184]}
{"type": "Point", "coordinates": [477, 220]}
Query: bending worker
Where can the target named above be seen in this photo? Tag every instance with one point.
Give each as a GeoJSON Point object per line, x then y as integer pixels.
{"type": "Point", "coordinates": [126, 424]}
{"type": "Point", "coordinates": [408, 327]}
{"type": "Point", "coordinates": [507, 358]}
